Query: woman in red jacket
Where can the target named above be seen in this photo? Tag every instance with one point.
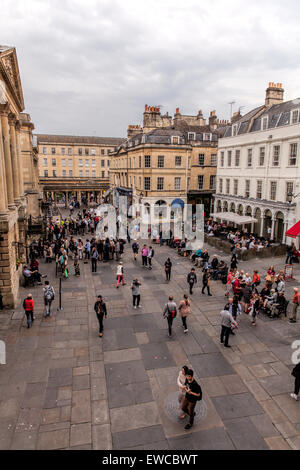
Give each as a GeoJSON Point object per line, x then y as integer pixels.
{"type": "Point", "coordinates": [28, 305]}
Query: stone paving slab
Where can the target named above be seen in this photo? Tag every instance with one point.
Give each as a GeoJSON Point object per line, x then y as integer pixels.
{"type": "Point", "coordinates": [237, 406]}
{"type": "Point", "coordinates": [119, 374]}
{"type": "Point", "coordinates": [156, 355]}
{"type": "Point", "coordinates": [211, 365]}
{"type": "Point", "coordinates": [244, 434]}
{"type": "Point", "coordinates": [138, 437]}
{"type": "Point", "coordinates": [134, 417]}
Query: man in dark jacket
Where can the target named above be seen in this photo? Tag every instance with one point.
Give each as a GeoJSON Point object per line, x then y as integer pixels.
{"type": "Point", "coordinates": [296, 374]}
{"type": "Point", "coordinates": [100, 309]}
{"type": "Point", "coordinates": [214, 264]}
{"type": "Point", "coordinates": [192, 279]}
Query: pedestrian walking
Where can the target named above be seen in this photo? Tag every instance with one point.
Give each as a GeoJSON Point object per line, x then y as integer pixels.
{"type": "Point", "coordinates": [136, 294]}
{"type": "Point", "coordinates": [170, 313]}
{"type": "Point", "coordinates": [227, 322]}
{"type": "Point", "coordinates": [289, 254]}
{"type": "Point", "coordinates": [135, 249]}
{"type": "Point", "coordinates": [101, 312]}
{"type": "Point", "coordinates": [254, 310]}
{"type": "Point", "coordinates": [168, 268]}
{"type": "Point", "coordinates": [184, 310]}
{"type": "Point", "coordinates": [49, 295]}
{"type": "Point", "coordinates": [94, 257]}
{"type": "Point", "coordinates": [144, 256]}
{"type": "Point", "coordinates": [192, 279]}
{"type": "Point", "coordinates": [87, 251]}
{"type": "Point", "coordinates": [296, 374]}
{"type": "Point", "coordinates": [192, 395]}
{"type": "Point", "coordinates": [117, 250]}
{"type": "Point", "coordinates": [181, 384]}
{"type": "Point", "coordinates": [296, 303]}
{"type": "Point", "coordinates": [206, 281]}
{"type": "Point", "coordinates": [120, 274]}
{"type": "Point", "coordinates": [28, 305]}
{"type": "Point", "coordinates": [150, 256]}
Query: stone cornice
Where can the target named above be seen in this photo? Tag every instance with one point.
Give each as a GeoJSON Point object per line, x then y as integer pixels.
{"type": "Point", "coordinates": [5, 109]}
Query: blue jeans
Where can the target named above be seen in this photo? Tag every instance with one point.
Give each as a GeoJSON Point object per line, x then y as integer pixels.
{"type": "Point", "coordinates": [29, 317]}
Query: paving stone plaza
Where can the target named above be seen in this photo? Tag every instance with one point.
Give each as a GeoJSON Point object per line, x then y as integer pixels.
{"type": "Point", "coordinates": [63, 387]}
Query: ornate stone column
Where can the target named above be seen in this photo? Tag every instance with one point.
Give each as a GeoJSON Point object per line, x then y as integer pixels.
{"type": "Point", "coordinates": [3, 195]}
{"type": "Point", "coordinates": [262, 226]}
{"type": "Point", "coordinates": [14, 157]}
{"type": "Point", "coordinates": [273, 227]}
{"type": "Point", "coordinates": [4, 111]}
{"type": "Point", "coordinates": [20, 160]}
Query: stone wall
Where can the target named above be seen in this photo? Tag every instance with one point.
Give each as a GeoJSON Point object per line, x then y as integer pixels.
{"type": "Point", "coordinates": [9, 275]}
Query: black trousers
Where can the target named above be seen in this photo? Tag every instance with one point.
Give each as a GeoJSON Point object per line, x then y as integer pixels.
{"type": "Point", "coordinates": [184, 322]}
{"type": "Point", "coordinates": [225, 332]}
{"type": "Point", "coordinates": [94, 265]}
{"type": "Point", "coordinates": [170, 323]}
{"type": "Point", "coordinates": [144, 259]}
{"type": "Point", "coordinates": [191, 284]}
{"type": "Point", "coordinates": [150, 262]}
{"type": "Point", "coordinates": [207, 286]}
{"type": "Point", "coordinates": [136, 300]}
{"type": "Point", "coordinates": [168, 275]}
{"type": "Point", "coordinates": [100, 320]}
{"type": "Point", "coordinates": [29, 317]}
{"type": "Point", "coordinates": [297, 385]}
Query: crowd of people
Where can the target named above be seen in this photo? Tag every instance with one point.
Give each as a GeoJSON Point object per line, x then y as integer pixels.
{"type": "Point", "coordinates": [74, 240]}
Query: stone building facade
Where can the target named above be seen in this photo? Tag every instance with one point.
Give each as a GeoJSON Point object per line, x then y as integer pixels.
{"type": "Point", "coordinates": [258, 171]}
{"type": "Point", "coordinates": [75, 166]}
{"type": "Point", "coordinates": [29, 153]}
{"type": "Point", "coordinates": [168, 160]}
{"type": "Point", "coordinates": [13, 167]}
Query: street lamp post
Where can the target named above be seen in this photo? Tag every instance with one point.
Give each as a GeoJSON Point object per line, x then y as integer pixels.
{"type": "Point", "coordinates": [290, 197]}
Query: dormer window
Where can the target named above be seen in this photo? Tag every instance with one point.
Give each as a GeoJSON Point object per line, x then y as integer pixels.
{"type": "Point", "coordinates": [234, 130]}
{"type": "Point", "coordinates": [206, 136]}
{"type": "Point", "coordinates": [175, 139]}
{"type": "Point", "coordinates": [295, 116]}
{"type": "Point", "coordinates": [191, 136]}
{"type": "Point", "coordinates": [264, 123]}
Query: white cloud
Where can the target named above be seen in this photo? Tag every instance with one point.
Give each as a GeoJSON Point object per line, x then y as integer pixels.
{"type": "Point", "coordinates": [89, 67]}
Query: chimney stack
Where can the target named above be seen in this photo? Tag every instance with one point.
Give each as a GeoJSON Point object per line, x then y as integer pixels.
{"type": "Point", "coordinates": [212, 120]}
{"type": "Point", "coordinates": [274, 94]}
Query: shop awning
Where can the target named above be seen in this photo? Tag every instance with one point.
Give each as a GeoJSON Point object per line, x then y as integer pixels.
{"type": "Point", "coordinates": [235, 218]}
{"type": "Point", "coordinates": [294, 231]}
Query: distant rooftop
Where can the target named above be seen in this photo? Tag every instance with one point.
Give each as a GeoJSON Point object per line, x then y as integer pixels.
{"type": "Point", "coordinates": [76, 139]}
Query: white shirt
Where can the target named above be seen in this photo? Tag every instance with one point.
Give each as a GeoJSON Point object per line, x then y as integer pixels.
{"type": "Point", "coordinates": [181, 380]}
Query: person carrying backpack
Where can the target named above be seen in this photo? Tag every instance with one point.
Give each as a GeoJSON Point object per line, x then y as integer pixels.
{"type": "Point", "coordinates": [120, 275]}
{"type": "Point", "coordinates": [48, 298]}
{"type": "Point", "coordinates": [170, 313]}
{"type": "Point", "coordinates": [28, 305]}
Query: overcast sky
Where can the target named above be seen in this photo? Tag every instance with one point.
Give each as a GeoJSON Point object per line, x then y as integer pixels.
{"type": "Point", "coordinates": [89, 67]}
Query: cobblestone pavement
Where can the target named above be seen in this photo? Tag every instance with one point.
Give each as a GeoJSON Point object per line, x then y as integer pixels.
{"type": "Point", "coordinates": [63, 387]}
